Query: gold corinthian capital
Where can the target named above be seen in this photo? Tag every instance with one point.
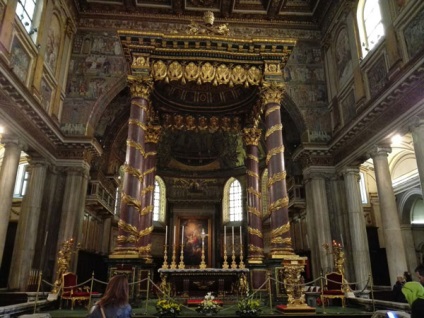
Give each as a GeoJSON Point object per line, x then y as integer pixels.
{"type": "Point", "coordinates": [272, 92]}
{"type": "Point", "coordinates": [140, 86]}
{"type": "Point", "coordinates": [251, 136]}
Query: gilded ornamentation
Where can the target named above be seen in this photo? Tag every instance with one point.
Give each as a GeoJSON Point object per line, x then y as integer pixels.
{"type": "Point", "coordinates": [251, 136]}
{"type": "Point", "coordinates": [280, 176]}
{"type": "Point", "coordinates": [140, 62]}
{"type": "Point", "coordinates": [147, 189]}
{"type": "Point", "coordinates": [129, 200]}
{"type": "Point", "coordinates": [146, 210]}
{"type": "Point", "coordinates": [63, 260]}
{"type": "Point", "coordinates": [281, 230]}
{"type": "Point", "coordinates": [273, 129]}
{"type": "Point", "coordinates": [255, 249]}
{"type": "Point", "coordinates": [272, 109]}
{"type": "Point", "coordinates": [122, 239]}
{"type": "Point", "coordinates": [338, 255]}
{"type": "Point", "coordinates": [272, 92]}
{"type": "Point", "coordinates": [133, 171]}
{"type": "Point", "coordinates": [146, 231]}
{"type": "Point", "coordinates": [140, 86]}
{"type": "Point", "coordinates": [280, 203]}
{"type": "Point", "coordinates": [252, 157]}
{"type": "Point", "coordinates": [274, 151]}
{"type": "Point", "coordinates": [128, 228]}
{"type": "Point", "coordinates": [280, 240]}
{"type": "Point", "coordinates": [206, 73]}
{"type": "Point", "coordinates": [137, 146]}
{"type": "Point", "coordinates": [272, 69]}
{"type": "Point", "coordinates": [208, 28]}
{"type": "Point", "coordinates": [254, 192]}
{"type": "Point", "coordinates": [138, 123]}
{"type": "Point", "coordinates": [293, 284]}
{"type": "Point", "coordinates": [145, 249]}
{"type": "Point", "coordinates": [251, 173]}
{"type": "Point", "coordinates": [254, 210]}
{"type": "Point", "coordinates": [255, 232]}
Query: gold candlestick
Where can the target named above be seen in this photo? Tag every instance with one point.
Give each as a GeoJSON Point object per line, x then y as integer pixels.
{"type": "Point", "coordinates": [233, 257]}
{"type": "Point", "coordinates": [173, 263]}
{"type": "Point", "coordinates": [225, 265]}
{"type": "Point", "coordinates": [165, 258]}
{"type": "Point", "coordinates": [241, 265]}
{"type": "Point", "coordinates": [181, 265]}
{"type": "Point", "coordinates": [202, 263]}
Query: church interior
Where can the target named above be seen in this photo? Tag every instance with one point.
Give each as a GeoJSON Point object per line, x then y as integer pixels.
{"type": "Point", "coordinates": [207, 144]}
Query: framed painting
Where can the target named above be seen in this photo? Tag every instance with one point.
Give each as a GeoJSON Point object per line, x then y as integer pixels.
{"type": "Point", "coordinates": [190, 231]}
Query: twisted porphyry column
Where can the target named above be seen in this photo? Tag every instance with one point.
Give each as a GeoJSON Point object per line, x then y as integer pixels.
{"type": "Point", "coordinates": [271, 94]}
{"type": "Point", "coordinates": [130, 209]}
{"type": "Point", "coordinates": [151, 141]}
{"type": "Point", "coordinates": [256, 243]}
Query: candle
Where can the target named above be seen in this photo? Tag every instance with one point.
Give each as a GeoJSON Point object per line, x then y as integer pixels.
{"type": "Point", "coordinates": [225, 235]}
{"type": "Point", "coordinates": [174, 234]}
{"type": "Point", "coordinates": [240, 237]}
{"type": "Point", "coordinates": [232, 230]}
{"type": "Point", "coordinates": [166, 234]}
{"type": "Point", "coordinates": [203, 237]}
{"type": "Point", "coordinates": [182, 236]}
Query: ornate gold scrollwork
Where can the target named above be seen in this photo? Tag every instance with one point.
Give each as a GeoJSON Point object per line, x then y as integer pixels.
{"type": "Point", "coordinates": [254, 210]}
{"type": "Point", "coordinates": [129, 200]}
{"type": "Point", "coordinates": [255, 249]}
{"type": "Point", "coordinates": [273, 152]}
{"type": "Point", "coordinates": [251, 173]}
{"type": "Point", "coordinates": [140, 86]}
{"type": "Point", "coordinates": [252, 157]}
{"type": "Point", "coordinates": [138, 123]}
{"type": "Point", "coordinates": [146, 231]}
{"type": "Point", "coordinates": [255, 232]}
{"type": "Point", "coordinates": [128, 228]}
{"type": "Point", "coordinates": [277, 177]}
{"type": "Point", "coordinates": [280, 230]}
{"type": "Point", "coordinates": [257, 194]}
{"type": "Point", "coordinates": [137, 146]}
{"type": "Point", "coordinates": [251, 136]}
{"type": "Point", "coordinates": [133, 171]}
{"type": "Point", "coordinates": [146, 210]}
{"type": "Point", "coordinates": [280, 203]}
{"type": "Point", "coordinates": [273, 129]}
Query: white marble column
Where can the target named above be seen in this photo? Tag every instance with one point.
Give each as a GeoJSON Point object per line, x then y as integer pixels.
{"type": "Point", "coordinates": [395, 249]}
{"type": "Point", "coordinates": [73, 206]}
{"type": "Point", "coordinates": [358, 231]}
{"type": "Point", "coordinates": [8, 171]}
{"type": "Point", "coordinates": [408, 241]}
{"type": "Point", "coordinates": [26, 235]}
{"type": "Point", "coordinates": [418, 140]}
{"type": "Point", "coordinates": [316, 196]}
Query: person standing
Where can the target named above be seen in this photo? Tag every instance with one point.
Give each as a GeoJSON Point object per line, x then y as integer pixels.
{"type": "Point", "coordinates": [114, 303]}
{"type": "Point", "coordinates": [420, 273]}
{"type": "Point", "coordinates": [414, 294]}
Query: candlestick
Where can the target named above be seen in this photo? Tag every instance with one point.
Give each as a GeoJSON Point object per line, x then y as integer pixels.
{"type": "Point", "coordinates": [174, 234]}
{"type": "Point", "coordinates": [182, 236]}
{"type": "Point", "coordinates": [233, 254]}
{"type": "Point", "coordinates": [166, 234]}
{"type": "Point", "coordinates": [240, 237]}
{"type": "Point", "coordinates": [202, 263]}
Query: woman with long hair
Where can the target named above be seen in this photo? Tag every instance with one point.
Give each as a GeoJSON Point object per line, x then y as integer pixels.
{"type": "Point", "coordinates": [114, 303]}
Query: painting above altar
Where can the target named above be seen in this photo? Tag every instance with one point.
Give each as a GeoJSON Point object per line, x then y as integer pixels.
{"type": "Point", "coordinates": [191, 236]}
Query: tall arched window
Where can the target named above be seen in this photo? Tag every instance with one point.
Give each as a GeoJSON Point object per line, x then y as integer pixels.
{"type": "Point", "coordinates": [159, 200]}
{"type": "Point", "coordinates": [29, 12]}
{"type": "Point", "coordinates": [233, 201]}
{"type": "Point", "coordinates": [370, 24]}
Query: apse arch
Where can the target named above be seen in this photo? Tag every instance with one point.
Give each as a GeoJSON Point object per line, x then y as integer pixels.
{"type": "Point", "coordinates": [409, 204]}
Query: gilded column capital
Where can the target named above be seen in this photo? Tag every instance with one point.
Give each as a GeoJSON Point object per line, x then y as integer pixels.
{"type": "Point", "coordinates": [153, 133]}
{"type": "Point", "coordinates": [272, 92]}
{"type": "Point", "coordinates": [251, 136]}
{"type": "Point", "coordinates": [140, 86]}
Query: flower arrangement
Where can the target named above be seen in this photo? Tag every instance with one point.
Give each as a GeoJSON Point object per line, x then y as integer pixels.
{"type": "Point", "coordinates": [168, 307]}
{"type": "Point", "coordinates": [208, 305]}
{"type": "Point", "coordinates": [248, 307]}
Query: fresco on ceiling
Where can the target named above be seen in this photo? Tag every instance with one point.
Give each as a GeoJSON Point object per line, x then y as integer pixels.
{"type": "Point", "coordinates": [19, 60]}
{"type": "Point", "coordinates": [414, 34]}
{"type": "Point", "coordinates": [52, 44]}
{"type": "Point", "coordinates": [305, 84]}
{"type": "Point", "coordinates": [96, 66]}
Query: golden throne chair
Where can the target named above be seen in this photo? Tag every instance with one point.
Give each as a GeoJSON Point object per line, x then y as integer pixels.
{"type": "Point", "coordinates": [334, 287]}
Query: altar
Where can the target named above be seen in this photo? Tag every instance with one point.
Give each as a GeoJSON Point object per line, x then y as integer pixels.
{"type": "Point", "coordinates": [193, 282]}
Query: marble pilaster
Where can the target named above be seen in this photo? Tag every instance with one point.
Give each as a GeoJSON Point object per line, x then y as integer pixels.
{"type": "Point", "coordinates": [358, 233]}
{"type": "Point", "coordinates": [395, 249]}
{"type": "Point", "coordinates": [315, 179]}
{"type": "Point", "coordinates": [8, 171]}
{"type": "Point", "coordinates": [418, 140]}
{"type": "Point", "coordinates": [26, 236]}
{"type": "Point", "coordinates": [73, 204]}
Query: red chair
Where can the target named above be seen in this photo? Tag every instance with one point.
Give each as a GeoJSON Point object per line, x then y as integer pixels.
{"type": "Point", "coordinates": [71, 291]}
{"type": "Point", "coordinates": [334, 287]}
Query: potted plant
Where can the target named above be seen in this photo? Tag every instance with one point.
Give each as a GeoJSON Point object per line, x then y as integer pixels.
{"type": "Point", "coordinates": [248, 307]}
{"type": "Point", "coordinates": [208, 306]}
{"type": "Point", "coordinates": [167, 308]}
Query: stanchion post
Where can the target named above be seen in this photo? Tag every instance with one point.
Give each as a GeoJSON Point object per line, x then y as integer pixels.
{"type": "Point", "coordinates": [91, 291]}
{"type": "Point", "coordinates": [322, 290]}
{"type": "Point", "coordinates": [38, 290]}
{"type": "Point", "coordinates": [148, 289]}
{"type": "Point", "coordinates": [270, 290]}
{"type": "Point", "coordinates": [372, 292]}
